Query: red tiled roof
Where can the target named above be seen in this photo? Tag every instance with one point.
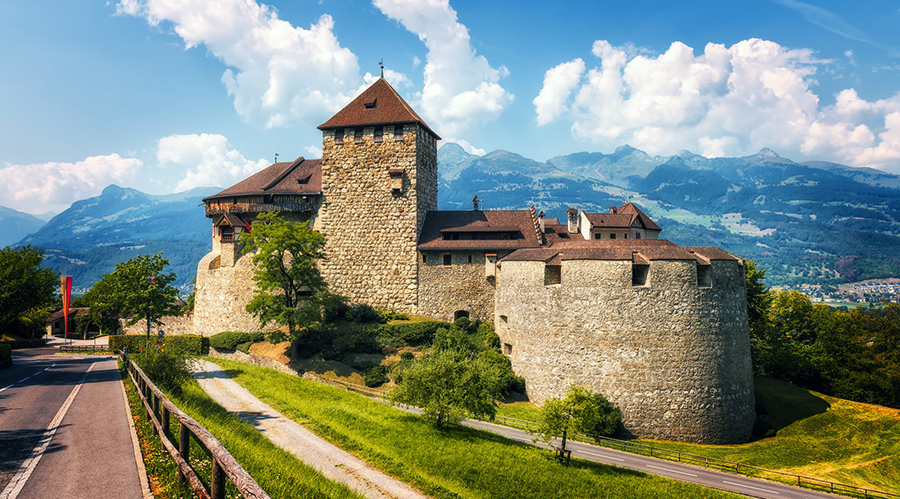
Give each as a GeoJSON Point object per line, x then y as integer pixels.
{"type": "Point", "coordinates": [438, 222]}
{"type": "Point", "coordinates": [622, 219]}
{"type": "Point", "coordinates": [379, 104]}
{"type": "Point", "coordinates": [302, 176]}
{"type": "Point", "coordinates": [632, 209]}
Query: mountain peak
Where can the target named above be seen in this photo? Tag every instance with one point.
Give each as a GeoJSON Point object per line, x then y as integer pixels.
{"type": "Point", "coordinates": [765, 152]}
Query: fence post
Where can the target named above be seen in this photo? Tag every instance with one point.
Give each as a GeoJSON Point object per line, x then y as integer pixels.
{"type": "Point", "coordinates": [217, 483]}
{"type": "Point", "coordinates": [165, 421]}
{"type": "Point", "coordinates": [184, 448]}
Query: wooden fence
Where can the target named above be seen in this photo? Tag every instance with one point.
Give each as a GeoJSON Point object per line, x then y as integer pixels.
{"type": "Point", "coordinates": [160, 411]}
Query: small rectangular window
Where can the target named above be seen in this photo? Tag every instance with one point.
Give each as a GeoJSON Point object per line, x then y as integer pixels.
{"type": "Point", "coordinates": [703, 278]}
{"type": "Point", "coordinates": [612, 236]}
{"type": "Point", "coordinates": [552, 274]}
{"type": "Point", "coordinates": [379, 134]}
{"type": "Point", "coordinates": [357, 135]}
{"type": "Point", "coordinates": [448, 260]}
{"type": "Point", "coordinates": [398, 132]}
{"type": "Point", "coordinates": [339, 136]}
{"type": "Point", "coordinates": [637, 236]}
{"type": "Point", "coordinates": [470, 258]}
{"type": "Point", "coordinates": [626, 236]}
{"type": "Point", "coordinates": [597, 236]}
{"type": "Point", "coordinates": [639, 274]}
{"type": "Point", "coordinates": [424, 258]}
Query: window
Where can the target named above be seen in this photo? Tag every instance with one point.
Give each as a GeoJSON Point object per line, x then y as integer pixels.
{"type": "Point", "coordinates": [470, 258]}
{"type": "Point", "coordinates": [637, 236]}
{"type": "Point", "coordinates": [703, 279]}
{"type": "Point", "coordinates": [612, 236]}
{"type": "Point", "coordinates": [339, 136]}
{"type": "Point", "coordinates": [504, 319]}
{"type": "Point", "coordinates": [379, 134]}
{"type": "Point", "coordinates": [552, 274]}
{"type": "Point", "coordinates": [398, 132]}
{"type": "Point", "coordinates": [357, 135]}
{"type": "Point", "coordinates": [460, 314]}
{"type": "Point", "coordinates": [639, 274]}
{"type": "Point", "coordinates": [424, 258]}
{"type": "Point", "coordinates": [448, 260]}
{"type": "Point", "coordinates": [626, 236]}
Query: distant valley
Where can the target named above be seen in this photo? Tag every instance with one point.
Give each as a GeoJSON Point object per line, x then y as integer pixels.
{"type": "Point", "coordinates": [813, 223]}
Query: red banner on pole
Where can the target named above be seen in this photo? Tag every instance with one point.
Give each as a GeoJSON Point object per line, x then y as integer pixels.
{"type": "Point", "coordinates": [66, 282]}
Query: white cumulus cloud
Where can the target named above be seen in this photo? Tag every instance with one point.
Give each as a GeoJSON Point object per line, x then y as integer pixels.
{"type": "Point", "coordinates": [277, 73]}
{"type": "Point", "coordinates": [207, 159]}
{"type": "Point", "coordinates": [461, 88]}
{"type": "Point", "coordinates": [53, 186]}
{"type": "Point", "coordinates": [725, 101]}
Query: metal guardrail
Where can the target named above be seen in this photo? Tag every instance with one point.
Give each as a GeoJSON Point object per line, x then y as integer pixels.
{"type": "Point", "coordinates": [160, 411]}
{"type": "Point", "coordinates": [711, 462]}
{"type": "Point", "coordinates": [83, 348]}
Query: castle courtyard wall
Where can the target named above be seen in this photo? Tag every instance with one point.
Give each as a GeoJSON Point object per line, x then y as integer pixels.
{"type": "Point", "coordinates": [222, 293]}
{"type": "Point", "coordinates": [673, 356]}
{"type": "Point", "coordinates": [461, 286]}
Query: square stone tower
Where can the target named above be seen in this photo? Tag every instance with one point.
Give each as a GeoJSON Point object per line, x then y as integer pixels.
{"type": "Point", "coordinates": [379, 179]}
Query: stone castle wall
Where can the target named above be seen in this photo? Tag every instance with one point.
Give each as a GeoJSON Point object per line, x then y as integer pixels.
{"type": "Point", "coordinates": [372, 230]}
{"type": "Point", "coordinates": [444, 290]}
{"type": "Point", "coordinates": [674, 357]}
{"type": "Point", "coordinates": [172, 325]}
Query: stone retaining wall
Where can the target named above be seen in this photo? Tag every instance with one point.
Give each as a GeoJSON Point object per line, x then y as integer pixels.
{"type": "Point", "coordinates": [462, 286]}
{"type": "Point", "coordinates": [673, 356]}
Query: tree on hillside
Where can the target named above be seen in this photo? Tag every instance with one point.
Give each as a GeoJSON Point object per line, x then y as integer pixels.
{"type": "Point", "coordinates": [580, 411]}
{"type": "Point", "coordinates": [24, 286]}
{"type": "Point", "coordinates": [449, 385]}
{"type": "Point", "coordinates": [287, 277]}
{"type": "Point", "coordinates": [137, 287]}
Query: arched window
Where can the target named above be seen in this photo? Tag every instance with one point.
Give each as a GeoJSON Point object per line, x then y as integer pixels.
{"type": "Point", "coordinates": [460, 313]}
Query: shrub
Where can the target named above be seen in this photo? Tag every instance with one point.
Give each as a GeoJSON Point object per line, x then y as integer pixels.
{"type": "Point", "coordinates": [189, 344]}
{"type": "Point", "coordinates": [167, 369]}
{"type": "Point", "coordinates": [334, 306]}
{"type": "Point", "coordinates": [5, 355]}
{"type": "Point", "coordinates": [389, 315]}
{"type": "Point", "coordinates": [231, 340]}
{"type": "Point", "coordinates": [376, 375]}
{"type": "Point", "coordinates": [407, 355]}
{"type": "Point", "coordinates": [276, 337]}
{"type": "Point", "coordinates": [507, 379]}
{"type": "Point", "coordinates": [363, 313]}
{"type": "Point", "coordinates": [409, 334]}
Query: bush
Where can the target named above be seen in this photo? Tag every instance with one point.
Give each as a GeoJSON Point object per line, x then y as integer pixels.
{"type": "Point", "coordinates": [334, 306]}
{"type": "Point", "coordinates": [276, 337]}
{"type": "Point", "coordinates": [409, 334]}
{"type": "Point", "coordinates": [232, 340]}
{"type": "Point", "coordinates": [363, 313]}
{"type": "Point", "coordinates": [5, 355]}
{"type": "Point", "coordinates": [508, 380]}
{"type": "Point", "coordinates": [189, 344]}
{"type": "Point", "coordinates": [167, 369]}
{"type": "Point", "coordinates": [407, 355]}
{"type": "Point", "coordinates": [389, 315]}
{"type": "Point", "coordinates": [376, 375]}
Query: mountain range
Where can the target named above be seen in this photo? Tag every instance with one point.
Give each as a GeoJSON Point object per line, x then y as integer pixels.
{"type": "Point", "coordinates": [809, 223]}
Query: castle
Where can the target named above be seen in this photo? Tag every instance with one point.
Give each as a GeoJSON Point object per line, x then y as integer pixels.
{"type": "Point", "coordinates": [597, 301]}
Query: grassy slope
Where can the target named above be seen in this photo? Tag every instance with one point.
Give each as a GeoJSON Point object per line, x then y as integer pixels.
{"type": "Point", "coordinates": [458, 463]}
{"type": "Point", "coordinates": [821, 437]}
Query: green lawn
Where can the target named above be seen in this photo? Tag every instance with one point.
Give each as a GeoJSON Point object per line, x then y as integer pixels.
{"type": "Point", "coordinates": [458, 463]}
{"type": "Point", "coordinates": [819, 436]}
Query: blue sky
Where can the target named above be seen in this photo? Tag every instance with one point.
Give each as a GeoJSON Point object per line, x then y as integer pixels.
{"type": "Point", "coordinates": [166, 95]}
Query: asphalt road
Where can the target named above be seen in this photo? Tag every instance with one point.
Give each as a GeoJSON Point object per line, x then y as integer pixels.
{"type": "Point", "coordinates": [702, 476]}
{"type": "Point", "coordinates": [64, 429]}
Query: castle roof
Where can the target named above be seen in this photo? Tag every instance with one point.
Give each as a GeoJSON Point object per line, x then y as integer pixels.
{"type": "Point", "coordinates": [624, 217]}
{"type": "Point", "coordinates": [301, 176]}
{"type": "Point", "coordinates": [477, 230]}
{"type": "Point", "coordinates": [635, 250]}
{"type": "Point", "coordinates": [379, 104]}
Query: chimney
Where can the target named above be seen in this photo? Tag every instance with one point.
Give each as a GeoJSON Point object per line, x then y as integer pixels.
{"type": "Point", "coordinates": [573, 220]}
{"type": "Point", "coordinates": [613, 210]}
{"type": "Point", "coordinates": [541, 220]}
{"type": "Point", "coordinates": [475, 202]}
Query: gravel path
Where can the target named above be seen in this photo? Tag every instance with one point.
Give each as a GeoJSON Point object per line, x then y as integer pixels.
{"type": "Point", "coordinates": [329, 460]}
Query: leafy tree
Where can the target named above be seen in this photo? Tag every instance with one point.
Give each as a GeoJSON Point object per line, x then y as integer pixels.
{"type": "Point", "coordinates": [137, 287]}
{"type": "Point", "coordinates": [580, 411]}
{"type": "Point", "coordinates": [449, 385]}
{"type": "Point", "coordinates": [24, 285]}
{"type": "Point", "coordinates": [287, 278]}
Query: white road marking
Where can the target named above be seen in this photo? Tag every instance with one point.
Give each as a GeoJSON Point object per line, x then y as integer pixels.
{"type": "Point", "coordinates": [27, 378]}
{"type": "Point", "coordinates": [604, 456]}
{"type": "Point", "coordinates": [671, 470]}
{"type": "Point", "coordinates": [749, 487]}
{"type": "Point", "coordinates": [15, 486]}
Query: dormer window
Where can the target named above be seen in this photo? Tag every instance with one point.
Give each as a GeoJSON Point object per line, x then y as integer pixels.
{"type": "Point", "coordinates": [371, 105]}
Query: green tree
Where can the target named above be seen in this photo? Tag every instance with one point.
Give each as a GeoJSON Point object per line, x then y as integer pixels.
{"type": "Point", "coordinates": [24, 285]}
{"type": "Point", "coordinates": [450, 385]}
{"type": "Point", "coordinates": [137, 288]}
{"type": "Point", "coordinates": [581, 411]}
{"type": "Point", "coordinates": [287, 279]}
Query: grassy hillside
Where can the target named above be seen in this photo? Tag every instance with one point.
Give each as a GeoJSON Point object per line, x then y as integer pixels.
{"type": "Point", "coordinates": [459, 463]}
{"type": "Point", "coordinates": [821, 437]}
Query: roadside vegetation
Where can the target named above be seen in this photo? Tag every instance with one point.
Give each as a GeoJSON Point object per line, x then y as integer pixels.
{"type": "Point", "coordinates": [277, 471]}
{"type": "Point", "coordinates": [459, 462]}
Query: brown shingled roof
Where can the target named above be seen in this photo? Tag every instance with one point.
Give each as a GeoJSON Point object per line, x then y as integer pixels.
{"type": "Point", "coordinates": [621, 249]}
{"type": "Point", "coordinates": [379, 104]}
{"type": "Point", "coordinates": [302, 176]}
{"type": "Point", "coordinates": [623, 218]}
{"type": "Point", "coordinates": [439, 222]}
{"type": "Point", "coordinates": [632, 209]}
